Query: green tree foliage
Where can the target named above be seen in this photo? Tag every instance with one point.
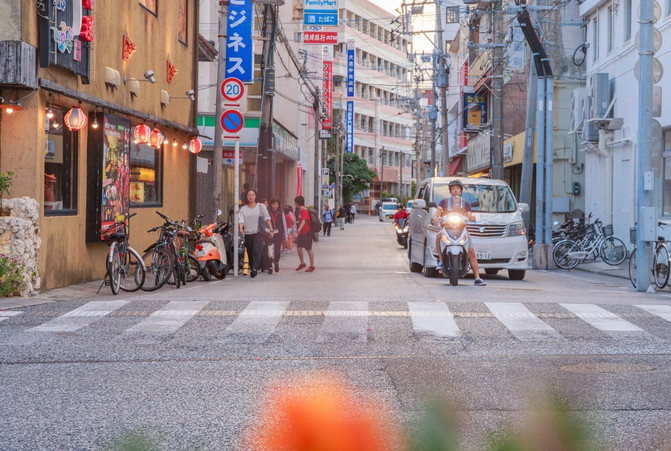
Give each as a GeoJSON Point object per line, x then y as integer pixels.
{"type": "Point", "coordinates": [356, 175]}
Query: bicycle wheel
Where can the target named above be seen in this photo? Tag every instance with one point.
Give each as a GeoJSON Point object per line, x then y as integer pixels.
{"type": "Point", "coordinates": [192, 269]}
{"type": "Point", "coordinates": [632, 268]}
{"type": "Point", "coordinates": [660, 266]}
{"type": "Point", "coordinates": [159, 269]}
{"type": "Point", "coordinates": [133, 273]}
{"type": "Point", "coordinates": [613, 251]}
{"type": "Point", "coordinates": [561, 254]}
{"type": "Point", "coordinates": [114, 269]}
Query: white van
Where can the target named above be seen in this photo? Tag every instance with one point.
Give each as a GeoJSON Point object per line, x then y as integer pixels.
{"type": "Point", "coordinates": [498, 235]}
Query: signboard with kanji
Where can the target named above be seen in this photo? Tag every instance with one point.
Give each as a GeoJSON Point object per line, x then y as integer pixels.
{"type": "Point", "coordinates": [321, 12]}
{"type": "Point", "coordinates": [239, 46]}
{"type": "Point", "coordinates": [475, 110]}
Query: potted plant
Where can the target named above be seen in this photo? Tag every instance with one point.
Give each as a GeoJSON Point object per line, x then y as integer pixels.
{"type": "Point", "coordinates": [5, 183]}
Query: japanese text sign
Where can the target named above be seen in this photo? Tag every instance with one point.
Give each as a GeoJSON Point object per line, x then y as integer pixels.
{"type": "Point", "coordinates": [350, 67]}
{"type": "Point", "coordinates": [349, 127]}
{"type": "Point", "coordinates": [239, 48]}
{"type": "Point", "coordinates": [327, 88]}
{"type": "Point", "coordinates": [321, 12]}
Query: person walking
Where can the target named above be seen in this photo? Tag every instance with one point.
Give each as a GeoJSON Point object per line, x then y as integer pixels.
{"type": "Point", "coordinates": [303, 234]}
{"type": "Point", "coordinates": [249, 219]}
{"type": "Point", "coordinates": [352, 212]}
{"type": "Point", "coordinates": [341, 216]}
{"type": "Point", "coordinates": [279, 229]}
{"type": "Point", "coordinates": [327, 214]}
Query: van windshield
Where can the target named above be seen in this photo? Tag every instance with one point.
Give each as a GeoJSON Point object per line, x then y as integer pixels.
{"type": "Point", "coordinates": [483, 198]}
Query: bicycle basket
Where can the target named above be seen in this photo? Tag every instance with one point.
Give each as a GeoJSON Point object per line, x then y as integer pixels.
{"type": "Point", "coordinates": [117, 227]}
{"type": "Point", "coordinates": [607, 230]}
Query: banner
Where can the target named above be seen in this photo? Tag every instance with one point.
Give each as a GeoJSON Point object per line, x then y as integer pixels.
{"type": "Point", "coordinates": [115, 170]}
{"type": "Point", "coordinates": [349, 127]}
{"type": "Point", "coordinates": [321, 12]}
{"type": "Point", "coordinates": [350, 67]}
{"type": "Point", "coordinates": [299, 179]}
{"type": "Point", "coordinates": [326, 113]}
{"type": "Point", "coordinates": [239, 46]}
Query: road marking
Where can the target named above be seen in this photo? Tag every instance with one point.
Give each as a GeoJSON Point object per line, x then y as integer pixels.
{"type": "Point", "coordinates": [433, 317]}
{"type": "Point", "coordinates": [523, 324]}
{"type": "Point", "coordinates": [2, 318]}
{"type": "Point", "coordinates": [80, 317]}
{"type": "Point", "coordinates": [600, 318]}
{"type": "Point", "coordinates": [663, 311]}
{"type": "Point", "coordinates": [352, 326]}
{"type": "Point", "coordinates": [258, 321]}
{"type": "Point", "coordinates": [170, 318]}
{"type": "Point", "coordinates": [8, 313]}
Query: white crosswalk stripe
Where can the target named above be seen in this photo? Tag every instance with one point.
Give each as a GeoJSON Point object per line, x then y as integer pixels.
{"type": "Point", "coordinates": [80, 317]}
{"type": "Point", "coordinates": [9, 313]}
{"type": "Point", "coordinates": [601, 318]}
{"type": "Point", "coordinates": [170, 318]}
{"type": "Point", "coordinates": [347, 320]}
{"type": "Point", "coordinates": [258, 320]}
{"type": "Point", "coordinates": [663, 311]}
{"type": "Point", "coordinates": [522, 323]}
{"type": "Point", "coordinates": [433, 317]}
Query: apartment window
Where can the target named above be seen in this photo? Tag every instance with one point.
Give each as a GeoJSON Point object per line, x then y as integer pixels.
{"type": "Point", "coordinates": [60, 166]}
{"type": "Point", "coordinates": [610, 29]}
{"type": "Point", "coordinates": [627, 19]}
{"type": "Point", "coordinates": [145, 176]}
{"type": "Point", "coordinates": [595, 38]}
{"type": "Point", "coordinates": [452, 14]}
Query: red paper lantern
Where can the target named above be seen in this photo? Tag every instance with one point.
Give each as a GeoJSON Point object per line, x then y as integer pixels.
{"type": "Point", "coordinates": [195, 145]}
{"type": "Point", "coordinates": [86, 32]}
{"type": "Point", "coordinates": [87, 4]}
{"type": "Point", "coordinates": [141, 133]}
{"type": "Point", "coordinates": [156, 138]}
{"type": "Point", "coordinates": [75, 119]}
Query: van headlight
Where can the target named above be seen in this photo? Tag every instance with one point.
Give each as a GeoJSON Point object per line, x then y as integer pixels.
{"type": "Point", "coordinates": [516, 229]}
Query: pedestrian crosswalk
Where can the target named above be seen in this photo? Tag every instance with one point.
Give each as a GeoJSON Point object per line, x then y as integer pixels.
{"type": "Point", "coordinates": [258, 321]}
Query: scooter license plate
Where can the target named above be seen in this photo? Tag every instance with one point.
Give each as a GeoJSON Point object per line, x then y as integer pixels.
{"type": "Point", "coordinates": [201, 253]}
{"type": "Point", "coordinates": [483, 255]}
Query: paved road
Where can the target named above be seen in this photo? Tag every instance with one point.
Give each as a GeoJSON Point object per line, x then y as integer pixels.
{"type": "Point", "coordinates": [190, 366]}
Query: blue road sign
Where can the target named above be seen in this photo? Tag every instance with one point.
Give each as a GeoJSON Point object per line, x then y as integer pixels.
{"type": "Point", "coordinates": [239, 44]}
{"type": "Point", "coordinates": [317, 17]}
{"type": "Point", "coordinates": [232, 121]}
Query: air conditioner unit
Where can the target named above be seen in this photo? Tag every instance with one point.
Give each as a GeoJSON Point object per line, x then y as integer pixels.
{"type": "Point", "coordinates": [595, 105]}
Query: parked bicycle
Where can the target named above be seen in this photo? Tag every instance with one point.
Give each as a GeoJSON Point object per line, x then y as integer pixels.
{"type": "Point", "coordinates": [125, 268]}
{"type": "Point", "coordinates": [661, 261]}
{"type": "Point", "coordinates": [161, 258]}
{"type": "Point", "coordinates": [596, 242]}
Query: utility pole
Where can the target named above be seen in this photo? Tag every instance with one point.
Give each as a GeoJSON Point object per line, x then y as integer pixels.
{"type": "Point", "coordinates": [217, 154]}
{"type": "Point", "coordinates": [265, 161]}
{"type": "Point", "coordinates": [317, 174]}
{"type": "Point", "coordinates": [497, 91]}
{"type": "Point", "coordinates": [442, 85]}
{"type": "Point", "coordinates": [382, 155]}
{"type": "Point", "coordinates": [646, 214]}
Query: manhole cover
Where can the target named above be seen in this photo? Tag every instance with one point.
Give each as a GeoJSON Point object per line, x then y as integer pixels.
{"type": "Point", "coordinates": [607, 368]}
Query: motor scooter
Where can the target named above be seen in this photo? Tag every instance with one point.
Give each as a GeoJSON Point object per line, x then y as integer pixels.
{"type": "Point", "coordinates": [402, 227]}
{"type": "Point", "coordinates": [211, 251]}
{"type": "Point", "coordinates": [454, 245]}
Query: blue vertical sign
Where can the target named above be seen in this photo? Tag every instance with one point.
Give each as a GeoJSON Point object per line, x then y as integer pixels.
{"type": "Point", "coordinates": [349, 127]}
{"type": "Point", "coordinates": [350, 68]}
{"type": "Point", "coordinates": [239, 48]}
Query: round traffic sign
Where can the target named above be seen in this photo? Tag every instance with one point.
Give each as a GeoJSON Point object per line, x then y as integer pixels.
{"type": "Point", "coordinates": [232, 89]}
{"type": "Point", "coordinates": [232, 121]}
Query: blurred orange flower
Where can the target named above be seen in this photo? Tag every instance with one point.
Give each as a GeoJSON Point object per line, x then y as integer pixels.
{"type": "Point", "coordinates": [320, 412]}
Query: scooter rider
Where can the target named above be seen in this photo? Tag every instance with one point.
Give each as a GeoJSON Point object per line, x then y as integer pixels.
{"type": "Point", "coordinates": [400, 213]}
{"type": "Point", "coordinates": [457, 204]}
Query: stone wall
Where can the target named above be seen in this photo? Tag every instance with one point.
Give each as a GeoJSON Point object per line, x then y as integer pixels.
{"type": "Point", "coordinates": [19, 237]}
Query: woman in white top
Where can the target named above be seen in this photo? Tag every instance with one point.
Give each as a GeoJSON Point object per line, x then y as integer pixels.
{"type": "Point", "coordinates": [249, 226]}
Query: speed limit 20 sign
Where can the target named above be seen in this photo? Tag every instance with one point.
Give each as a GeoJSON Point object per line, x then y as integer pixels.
{"type": "Point", "coordinates": [232, 89]}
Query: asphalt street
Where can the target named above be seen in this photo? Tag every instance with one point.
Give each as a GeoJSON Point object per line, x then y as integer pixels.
{"type": "Point", "coordinates": [191, 367]}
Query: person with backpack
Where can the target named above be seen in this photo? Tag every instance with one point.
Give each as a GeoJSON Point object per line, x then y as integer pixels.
{"type": "Point", "coordinates": [303, 234]}
{"type": "Point", "coordinates": [327, 214]}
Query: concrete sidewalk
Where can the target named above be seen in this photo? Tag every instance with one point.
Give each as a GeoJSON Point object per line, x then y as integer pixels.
{"type": "Point", "coordinates": [599, 267]}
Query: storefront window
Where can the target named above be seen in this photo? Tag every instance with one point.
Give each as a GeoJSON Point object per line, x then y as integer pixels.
{"type": "Point", "coordinates": [145, 176]}
{"type": "Point", "coordinates": [60, 166]}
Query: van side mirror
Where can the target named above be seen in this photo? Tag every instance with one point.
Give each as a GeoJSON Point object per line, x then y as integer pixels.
{"type": "Point", "coordinates": [418, 203]}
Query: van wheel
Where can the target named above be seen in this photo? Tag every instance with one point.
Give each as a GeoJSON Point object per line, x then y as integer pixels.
{"type": "Point", "coordinates": [414, 267]}
{"type": "Point", "coordinates": [491, 271]}
{"type": "Point", "coordinates": [516, 274]}
{"type": "Point", "coordinates": [428, 272]}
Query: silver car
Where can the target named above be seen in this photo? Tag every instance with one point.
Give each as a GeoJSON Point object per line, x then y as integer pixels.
{"type": "Point", "coordinates": [387, 210]}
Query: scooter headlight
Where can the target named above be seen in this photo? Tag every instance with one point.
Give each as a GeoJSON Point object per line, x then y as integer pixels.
{"type": "Point", "coordinates": [453, 220]}
{"type": "Point", "coordinates": [516, 229]}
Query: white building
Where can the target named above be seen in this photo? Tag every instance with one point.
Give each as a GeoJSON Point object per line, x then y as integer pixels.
{"type": "Point", "coordinates": [610, 163]}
